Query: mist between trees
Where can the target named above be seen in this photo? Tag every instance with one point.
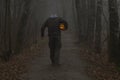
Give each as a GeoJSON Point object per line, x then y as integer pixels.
{"type": "Point", "coordinates": [96, 23]}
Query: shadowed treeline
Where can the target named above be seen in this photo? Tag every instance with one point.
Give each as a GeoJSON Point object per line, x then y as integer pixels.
{"type": "Point", "coordinates": [96, 23]}
{"type": "Point", "coordinates": [93, 33]}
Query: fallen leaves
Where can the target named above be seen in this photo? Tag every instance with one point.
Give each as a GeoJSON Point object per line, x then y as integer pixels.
{"type": "Point", "coordinates": [100, 67]}
{"type": "Point", "coordinates": [17, 65]}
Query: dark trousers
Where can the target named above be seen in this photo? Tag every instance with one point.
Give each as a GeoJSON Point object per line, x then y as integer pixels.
{"type": "Point", "coordinates": [55, 46]}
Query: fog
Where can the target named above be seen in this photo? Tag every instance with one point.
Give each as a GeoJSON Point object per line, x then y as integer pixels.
{"type": "Point", "coordinates": [42, 9]}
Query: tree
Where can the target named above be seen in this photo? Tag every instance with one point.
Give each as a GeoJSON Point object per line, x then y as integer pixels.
{"type": "Point", "coordinates": [13, 20]}
{"type": "Point", "coordinates": [114, 31]}
{"type": "Point", "coordinates": [7, 51]}
{"type": "Point", "coordinates": [22, 25]}
{"type": "Point", "coordinates": [79, 12]}
{"type": "Point", "coordinates": [98, 28]}
{"type": "Point", "coordinates": [91, 21]}
{"type": "Point", "coordinates": [82, 12]}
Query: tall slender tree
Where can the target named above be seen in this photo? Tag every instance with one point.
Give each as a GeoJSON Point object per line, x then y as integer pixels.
{"type": "Point", "coordinates": [91, 21]}
{"type": "Point", "coordinates": [82, 12]}
{"type": "Point", "coordinates": [79, 12]}
{"type": "Point", "coordinates": [114, 31]}
{"type": "Point", "coordinates": [7, 32]}
{"type": "Point", "coordinates": [23, 23]}
{"type": "Point", "coordinates": [98, 28]}
{"type": "Point", "coordinates": [84, 18]}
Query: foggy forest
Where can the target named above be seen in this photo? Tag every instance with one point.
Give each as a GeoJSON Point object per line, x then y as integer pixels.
{"type": "Point", "coordinates": [90, 46]}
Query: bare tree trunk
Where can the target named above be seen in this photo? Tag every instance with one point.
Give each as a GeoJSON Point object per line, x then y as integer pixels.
{"type": "Point", "coordinates": [23, 23]}
{"type": "Point", "coordinates": [79, 12]}
{"type": "Point", "coordinates": [84, 18]}
{"type": "Point", "coordinates": [98, 27]}
{"type": "Point", "coordinates": [82, 13]}
{"type": "Point", "coordinates": [91, 22]}
{"type": "Point", "coordinates": [7, 32]}
{"type": "Point", "coordinates": [114, 31]}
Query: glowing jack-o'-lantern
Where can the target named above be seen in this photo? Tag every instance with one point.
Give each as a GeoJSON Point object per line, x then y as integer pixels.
{"type": "Point", "coordinates": [62, 26]}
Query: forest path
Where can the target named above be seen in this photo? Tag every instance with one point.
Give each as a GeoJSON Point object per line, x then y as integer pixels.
{"type": "Point", "coordinates": [71, 68]}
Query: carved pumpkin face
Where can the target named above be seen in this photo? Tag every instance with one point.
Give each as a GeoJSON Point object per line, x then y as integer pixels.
{"type": "Point", "coordinates": [62, 26]}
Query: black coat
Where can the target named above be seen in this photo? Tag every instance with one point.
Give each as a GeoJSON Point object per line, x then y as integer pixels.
{"type": "Point", "coordinates": [53, 27]}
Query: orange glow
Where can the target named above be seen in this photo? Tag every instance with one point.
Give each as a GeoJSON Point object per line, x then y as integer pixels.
{"type": "Point", "coordinates": [62, 27]}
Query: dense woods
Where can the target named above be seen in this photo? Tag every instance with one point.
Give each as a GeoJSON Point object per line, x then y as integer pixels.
{"type": "Point", "coordinates": [16, 26]}
{"type": "Point", "coordinates": [93, 17]}
{"type": "Point", "coordinates": [94, 28]}
{"type": "Point", "coordinates": [96, 22]}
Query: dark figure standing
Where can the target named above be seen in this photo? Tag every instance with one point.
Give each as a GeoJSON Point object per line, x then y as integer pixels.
{"type": "Point", "coordinates": [55, 25]}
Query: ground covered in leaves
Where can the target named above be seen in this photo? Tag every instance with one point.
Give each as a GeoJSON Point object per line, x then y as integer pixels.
{"type": "Point", "coordinates": [100, 67]}
{"type": "Point", "coordinates": [16, 66]}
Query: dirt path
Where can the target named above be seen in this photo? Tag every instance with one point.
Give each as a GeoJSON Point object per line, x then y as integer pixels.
{"type": "Point", "coordinates": [72, 68]}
